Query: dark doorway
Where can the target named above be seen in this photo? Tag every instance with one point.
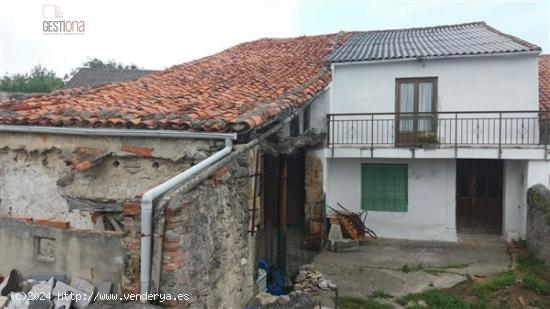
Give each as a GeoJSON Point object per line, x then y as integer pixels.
{"type": "Point", "coordinates": [479, 196]}
{"type": "Point", "coordinates": [281, 234]}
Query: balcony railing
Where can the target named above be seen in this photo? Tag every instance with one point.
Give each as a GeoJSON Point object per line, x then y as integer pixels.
{"type": "Point", "coordinates": [458, 129]}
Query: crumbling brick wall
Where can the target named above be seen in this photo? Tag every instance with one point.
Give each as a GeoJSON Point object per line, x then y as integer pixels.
{"type": "Point", "coordinates": [314, 200]}
{"type": "Point", "coordinates": [538, 221]}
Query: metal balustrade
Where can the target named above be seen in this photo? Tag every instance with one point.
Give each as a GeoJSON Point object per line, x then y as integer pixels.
{"type": "Point", "coordinates": [440, 129]}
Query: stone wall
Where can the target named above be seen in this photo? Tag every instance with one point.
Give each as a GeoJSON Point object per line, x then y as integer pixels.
{"type": "Point", "coordinates": [538, 221]}
{"type": "Point", "coordinates": [207, 250]}
{"type": "Point", "coordinates": [72, 178]}
{"type": "Point", "coordinates": [37, 246]}
{"type": "Point", "coordinates": [315, 197]}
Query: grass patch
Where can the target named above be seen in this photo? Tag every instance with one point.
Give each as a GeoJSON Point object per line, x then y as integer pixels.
{"type": "Point", "coordinates": [536, 283]}
{"type": "Point", "coordinates": [412, 268]}
{"type": "Point", "coordinates": [437, 299]}
{"type": "Point", "coordinates": [430, 270]}
{"type": "Point", "coordinates": [361, 303]}
{"type": "Point", "coordinates": [537, 303]}
{"type": "Point", "coordinates": [454, 265]}
{"type": "Point", "coordinates": [530, 264]}
{"type": "Point", "coordinates": [380, 293]}
{"type": "Point", "coordinates": [500, 281]}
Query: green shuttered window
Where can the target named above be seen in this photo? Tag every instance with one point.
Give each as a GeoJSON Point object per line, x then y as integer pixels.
{"type": "Point", "coordinates": [384, 187]}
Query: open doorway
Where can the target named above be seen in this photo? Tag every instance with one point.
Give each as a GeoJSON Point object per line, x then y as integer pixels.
{"type": "Point", "coordinates": [282, 230]}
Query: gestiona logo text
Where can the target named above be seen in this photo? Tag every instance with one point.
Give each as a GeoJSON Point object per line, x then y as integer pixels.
{"type": "Point", "coordinates": [55, 23]}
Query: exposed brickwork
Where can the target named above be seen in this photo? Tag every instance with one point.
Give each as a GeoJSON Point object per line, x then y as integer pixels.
{"type": "Point", "coordinates": [140, 151]}
{"type": "Point", "coordinates": [131, 208]}
{"type": "Point", "coordinates": [544, 82]}
{"type": "Point", "coordinates": [53, 223]}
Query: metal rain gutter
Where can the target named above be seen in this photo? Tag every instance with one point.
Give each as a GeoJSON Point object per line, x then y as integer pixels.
{"type": "Point", "coordinates": [116, 132]}
{"type": "Point", "coordinates": [149, 196]}
{"type": "Point", "coordinates": [147, 212]}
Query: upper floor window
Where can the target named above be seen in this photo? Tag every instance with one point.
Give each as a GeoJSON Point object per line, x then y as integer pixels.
{"type": "Point", "coordinates": [416, 106]}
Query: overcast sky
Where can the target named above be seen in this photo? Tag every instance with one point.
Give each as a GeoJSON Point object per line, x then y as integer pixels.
{"type": "Point", "coordinates": [158, 34]}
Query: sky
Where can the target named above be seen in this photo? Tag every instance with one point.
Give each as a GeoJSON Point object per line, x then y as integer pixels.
{"type": "Point", "coordinates": [161, 33]}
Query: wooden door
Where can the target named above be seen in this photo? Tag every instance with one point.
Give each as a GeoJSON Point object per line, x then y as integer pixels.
{"type": "Point", "coordinates": [479, 196]}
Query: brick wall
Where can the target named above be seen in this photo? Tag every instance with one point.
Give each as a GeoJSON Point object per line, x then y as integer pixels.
{"type": "Point", "coordinates": [538, 221]}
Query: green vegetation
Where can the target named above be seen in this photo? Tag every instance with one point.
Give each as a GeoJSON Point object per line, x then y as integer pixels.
{"type": "Point", "coordinates": [361, 303]}
{"type": "Point", "coordinates": [500, 281]}
{"type": "Point", "coordinates": [380, 293]}
{"type": "Point", "coordinates": [430, 270]}
{"type": "Point", "coordinates": [437, 299]}
{"type": "Point", "coordinates": [40, 79]}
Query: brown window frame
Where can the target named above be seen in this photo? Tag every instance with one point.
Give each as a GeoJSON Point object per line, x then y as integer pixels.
{"type": "Point", "coordinates": [416, 80]}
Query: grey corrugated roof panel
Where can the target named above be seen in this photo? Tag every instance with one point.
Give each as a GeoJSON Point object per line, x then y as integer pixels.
{"type": "Point", "coordinates": [87, 77]}
{"type": "Point", "coordinates": [468, 39]}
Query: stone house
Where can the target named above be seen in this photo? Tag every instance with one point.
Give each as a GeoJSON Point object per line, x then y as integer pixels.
{"type": "Point", "coordinates": [164, 184]}
{"type": "Point", "coordinates": [181, 180]}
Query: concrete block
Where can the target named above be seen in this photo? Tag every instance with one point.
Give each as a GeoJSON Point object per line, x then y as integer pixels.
{"type": "Point", "coordinates": [43, 276]}
{"type": "Point", "coordinates": [18, 301]}
{"type": "Point", "coordinates": [81, 298]}
{"type": "Point", "coordinates": [87, 289]}
{"type": "Point", "coordinates": [105, 288]}
{"type": "Point", "coordinates": [335, 232]}
{"type": "Point", "coordinates": [62, 303]}
{"type": "Point", "coordinates": [43, 288]}
{"type": "Point", "coordinates": [344, 245]}
{"type": "Point", "coordinates": [41, 304]}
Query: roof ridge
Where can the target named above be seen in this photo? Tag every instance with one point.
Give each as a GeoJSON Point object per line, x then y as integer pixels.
{"type": "Point", "coordinates": [530, 45]}
{"type": "Point", "coordinates": [423, 28]}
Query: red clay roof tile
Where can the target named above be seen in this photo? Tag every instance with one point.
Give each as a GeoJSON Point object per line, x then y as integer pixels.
{"type": "Point", "coordinates": [234, 90]}
{"type": "Point", "coordinates": [544, 82]}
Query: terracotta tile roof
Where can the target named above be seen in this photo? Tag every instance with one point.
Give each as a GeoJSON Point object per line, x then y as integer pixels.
{"type": "Point", "coordinates": [234, 90]}
{"type": "Point", "coordinates": [544, 82]}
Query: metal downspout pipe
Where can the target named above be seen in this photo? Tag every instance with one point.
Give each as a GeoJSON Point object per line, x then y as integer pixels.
{"type": "Point", "coordinates": [147, 212]}
{"type": "Point", "coordinates": [149, 196]}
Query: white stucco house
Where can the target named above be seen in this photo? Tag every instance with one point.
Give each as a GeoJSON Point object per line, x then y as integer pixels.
{"type": "Point", "coordinates": [434, 131]}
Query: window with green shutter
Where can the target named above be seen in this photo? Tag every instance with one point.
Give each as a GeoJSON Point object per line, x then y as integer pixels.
{"type": "Point", "coordinates": [384, 187]}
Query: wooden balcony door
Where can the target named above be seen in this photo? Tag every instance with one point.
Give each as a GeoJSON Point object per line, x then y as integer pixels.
{"type": "Point", "coordinates": [479, 196]}
{"type": "Point", "coordinates": [415, 107]}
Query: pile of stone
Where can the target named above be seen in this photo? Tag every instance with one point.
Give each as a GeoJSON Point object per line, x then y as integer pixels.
{"type": "Point", "coordinates": [310, 280]}
{"type": "Point", "coordinates": [48, 291]}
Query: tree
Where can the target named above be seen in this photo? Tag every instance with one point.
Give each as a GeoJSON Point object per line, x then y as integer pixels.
{"type": "Point", "coordinates": [40, 79]}
{"type": "Point", "coordinates": [95, 63]}
{"type": "Point", "coordinates": [111, 64]}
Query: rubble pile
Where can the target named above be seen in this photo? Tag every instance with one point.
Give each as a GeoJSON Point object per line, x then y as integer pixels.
{"type": "Point", "coordinates": [310, 280]}
{"type": "Point", "coordinates": [49, 291]}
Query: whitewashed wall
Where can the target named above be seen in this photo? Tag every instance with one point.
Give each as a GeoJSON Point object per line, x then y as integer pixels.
{"type": "Point", "coordinates": [431, 208]}
{"type": "Point", "coordinates": [484, 83]}
{"type": "Point", "coordinates": [504, 83]}
{"type": "Point", "coordinates": [515, 199]}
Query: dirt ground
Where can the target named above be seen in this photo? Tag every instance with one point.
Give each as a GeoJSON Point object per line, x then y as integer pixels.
{"type": "Point", "coordinates": [476, 272]}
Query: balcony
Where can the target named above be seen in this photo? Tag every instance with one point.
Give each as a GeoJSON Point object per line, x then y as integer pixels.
{"type": "Point", "coordinates": [492, 132]}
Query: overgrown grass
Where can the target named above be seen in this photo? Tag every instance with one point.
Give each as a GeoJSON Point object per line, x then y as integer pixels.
{"type": "Point", "coordinates": [412, 268]}
{"type": "Point", "coordinates": [500, 281]}
{"type": "Point", "coordinates": [536, 283]}
{"type": "Point", "coordinates": [436, 270]}
{"type": "Point", "coordinates": [438, 299]}
{"type": "Point", "coordinates": [360, 303]}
